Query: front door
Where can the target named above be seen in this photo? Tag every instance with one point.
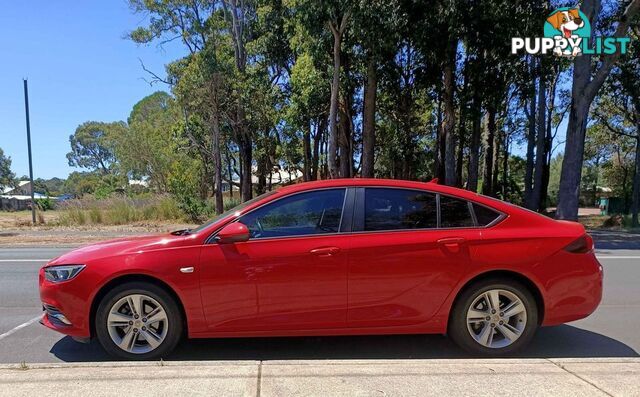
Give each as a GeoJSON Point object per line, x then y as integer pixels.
{"type": "Point", "coordinates": [290, 275]}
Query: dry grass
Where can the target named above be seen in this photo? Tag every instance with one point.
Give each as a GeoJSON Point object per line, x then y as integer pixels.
{"type": "Point", "coordinates": [21, 219]}
{"type": "Point", "coordinates": [85, 221]}
{"type": "Point", "coordinates": [118, 211]}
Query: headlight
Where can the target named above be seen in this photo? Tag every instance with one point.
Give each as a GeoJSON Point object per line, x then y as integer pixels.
{"type": "Point", "coordinates": [56, 274]}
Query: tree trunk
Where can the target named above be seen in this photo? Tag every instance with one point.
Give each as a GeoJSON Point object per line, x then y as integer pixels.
{"type": "Point", "coordinates": [369, 119]}
{"type": "Point", "coordinates": [335, 90]}
{"type": "Point", "coordinates": [462, 123]}
{"type": "Point", "coordinates": [246, 161]}
{"type": "Point", "coordinates": [306, 143]}
{"type": "Point", "coordinates": [449, 114]}
{"type": "Point", "coordinates": [505, 167]}
{"type": "Point", "coordinates": [229, 171]}
{"type": "Point", "coordinates": [546, 171]}
{"type": "Point", "coordinates": [531, 140]}
{"type": "Point", "coordinates": [261, 186]}
{"type": "Point", "coordinates": [217, 160]}
{"type": "Point", "coordinates": [487, 179]}
{"type": "Point", "coordinates": [635, 195]}
{"type": "Point", "coordinates": [441, 145]}
{"type": "Point", "coordinates": [474, 147]}
{"type": "Point", "coordinates": [536, 193]}
{"type": "Point", "coordinates": [569, 192]}
{"type": "Point", "coordinates": [461, 144]}
{"type": "Point", "coordinates": [321, 127]}
{"type": "Point", "coordinates": [497, 145]}
{"type": "Point", "coordinates": [345, 146]}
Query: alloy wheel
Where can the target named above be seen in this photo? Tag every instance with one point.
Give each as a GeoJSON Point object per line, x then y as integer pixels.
{"type": "Point", "coordinates": [137, 324]}
{"type": "Point", "coordinates": [496, 318]}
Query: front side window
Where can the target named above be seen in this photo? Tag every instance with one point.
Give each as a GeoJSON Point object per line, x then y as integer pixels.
{"type": "Point", "coordinates": [315, 212]}
{"type": "Point", "coordinates": [395, 209]}
{"type": "Point", "coordinates": [454, 213]}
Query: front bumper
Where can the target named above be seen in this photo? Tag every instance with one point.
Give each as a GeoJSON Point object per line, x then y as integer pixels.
{"type": "Point", "coordinates": [66, 306]}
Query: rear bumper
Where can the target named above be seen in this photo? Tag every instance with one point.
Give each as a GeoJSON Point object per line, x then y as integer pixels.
{"type": "Point", "coordinates": [576, 290]}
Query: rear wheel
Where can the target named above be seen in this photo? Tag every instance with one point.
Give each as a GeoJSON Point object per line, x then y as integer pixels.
{"type": "Point", "coordinates": [138, 321]}
{"type": "Point", "coordinates": [494, 317]}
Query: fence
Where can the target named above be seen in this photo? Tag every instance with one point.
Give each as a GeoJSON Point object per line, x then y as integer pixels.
{"type": "Point", "coordinates": [14, 204]}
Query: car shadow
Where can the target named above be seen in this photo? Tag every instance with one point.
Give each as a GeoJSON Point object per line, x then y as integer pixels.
{"type": "Point", "coordinates": [549, 342]}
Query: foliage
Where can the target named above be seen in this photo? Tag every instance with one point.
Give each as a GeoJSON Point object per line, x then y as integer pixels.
{"type": "Point", "coordinates": [92, 146]}
{"type": "Point", "coordinates": [148, 147]}
{"type": "Point", "coordinates": [184, 185]}
{"type": "Point", "coordinates": [271, 86]}
{"type": "Point", "coordinates": [45, 204]}
{"type": "Point", "coordinates": [6, 176]}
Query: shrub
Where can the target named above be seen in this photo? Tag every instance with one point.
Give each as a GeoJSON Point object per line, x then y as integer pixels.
{"type": "Point", "coordinates": [45, 204]}
{"type": "Point", "coordinates": [119, 210]}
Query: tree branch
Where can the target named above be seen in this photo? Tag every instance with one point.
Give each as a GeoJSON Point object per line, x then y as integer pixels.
{"type": "Point", "coordinates": [608, 60]}
{"type": "Point", "coordinates": [156, 78]}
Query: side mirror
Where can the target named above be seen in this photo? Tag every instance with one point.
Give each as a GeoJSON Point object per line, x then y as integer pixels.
{"type": "Point", "coordinates": [235, 232]}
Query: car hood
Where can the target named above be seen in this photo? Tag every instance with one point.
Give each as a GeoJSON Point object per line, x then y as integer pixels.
{"type": "Point", "coordinates": [121, 246]}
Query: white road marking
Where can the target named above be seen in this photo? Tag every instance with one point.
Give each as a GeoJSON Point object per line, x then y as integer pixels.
{"type": "Point", "coordinates": [616, 257]}
{"type": "Point", "coordinates": [19, 327]}
{"type": "Point", "coordinates": [24, 260]}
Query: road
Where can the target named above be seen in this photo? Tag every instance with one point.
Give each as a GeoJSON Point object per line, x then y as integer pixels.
{"type": "Point", "coordinates": [610, 332]}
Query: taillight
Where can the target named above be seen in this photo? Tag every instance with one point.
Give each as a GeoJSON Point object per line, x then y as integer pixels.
{"type": "Point", "coordinates": [582, 245]}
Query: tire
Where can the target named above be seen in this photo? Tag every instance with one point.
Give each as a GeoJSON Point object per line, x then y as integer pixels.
{"type": "Point", "coordinates": [152, 339]}
{"type": "Point", "coordinates": [485, 333]}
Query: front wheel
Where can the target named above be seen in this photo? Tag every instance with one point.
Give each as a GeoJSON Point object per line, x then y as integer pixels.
{"type": "Point", "coordinates": [494, 317]}
{"type": "Point", "coordinates": [138, 321]}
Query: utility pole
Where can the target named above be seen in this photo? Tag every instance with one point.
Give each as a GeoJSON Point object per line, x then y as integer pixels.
{"type": "Point", "coordinates": [26, 107]}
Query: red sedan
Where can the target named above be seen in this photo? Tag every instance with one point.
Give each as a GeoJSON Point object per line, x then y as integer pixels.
{"type": "Point", "coordinates": [337, 257]}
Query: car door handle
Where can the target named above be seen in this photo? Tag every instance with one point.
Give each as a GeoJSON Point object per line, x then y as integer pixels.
{"type": "Point", "coordinates": [452, 242]}
{"type": "Point", "coordinates": [325, 251]}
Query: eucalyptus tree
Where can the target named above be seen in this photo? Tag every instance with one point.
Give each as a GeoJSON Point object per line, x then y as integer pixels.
{"type": "Point", "coordinates": [92, 146]}
{"type": "Point", "coordinates": [618, 110]}
{"type": "Point", "coordinates": [147, 148]}
{"type": "Point", "coordinates": [588, 76]}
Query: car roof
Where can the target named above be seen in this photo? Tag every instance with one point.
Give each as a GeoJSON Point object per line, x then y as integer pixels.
{"type": "Point", "coordinates": [432, 186]}
{"type": "Point", "coordinates": [397, 183]}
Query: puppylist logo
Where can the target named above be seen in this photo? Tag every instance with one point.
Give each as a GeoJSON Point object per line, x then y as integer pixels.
{"type": "Point", "coordinates": [566, 33]}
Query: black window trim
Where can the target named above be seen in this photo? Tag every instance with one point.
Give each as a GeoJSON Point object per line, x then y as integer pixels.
{"type": "Point", "coordinates": [353, 208]}
{"type": "Point", "coordinates": [359, 211]}
{"type": "Point", "coordinates": [345, 204]}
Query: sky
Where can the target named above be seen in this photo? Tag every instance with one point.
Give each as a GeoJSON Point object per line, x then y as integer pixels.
{"type": "Point", "coordinates": [79, 68]}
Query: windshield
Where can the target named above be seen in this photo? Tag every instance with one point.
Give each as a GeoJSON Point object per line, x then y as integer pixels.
{"type": "Point", "coordinates": [232, 211]}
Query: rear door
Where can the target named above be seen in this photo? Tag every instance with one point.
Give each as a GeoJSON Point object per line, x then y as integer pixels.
{"type": "Point", "coordinates": [405, 254]}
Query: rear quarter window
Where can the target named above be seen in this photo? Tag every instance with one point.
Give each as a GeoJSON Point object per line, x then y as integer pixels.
{"type": "Point", "coordinates": [485, 216]}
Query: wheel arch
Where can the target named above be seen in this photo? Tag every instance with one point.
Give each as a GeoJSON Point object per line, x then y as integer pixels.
{"type": "Point", "coordinates": [134, 278]}
{"type": "Point", "coordinates": [508, 274]}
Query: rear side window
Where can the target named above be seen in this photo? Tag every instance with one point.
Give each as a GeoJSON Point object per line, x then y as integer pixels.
{"type": "Point", "coordinates": [315, 212]}
{"type": "Point", "coordinates": [395, 209]}
{"type": "Point", "coordinates": [454, 213]}
{"type": "Point", "coordinates": [484, 215]}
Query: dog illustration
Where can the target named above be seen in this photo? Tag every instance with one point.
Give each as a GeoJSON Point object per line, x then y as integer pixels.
{"type": "Point", "coordinates": [566, 22]}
